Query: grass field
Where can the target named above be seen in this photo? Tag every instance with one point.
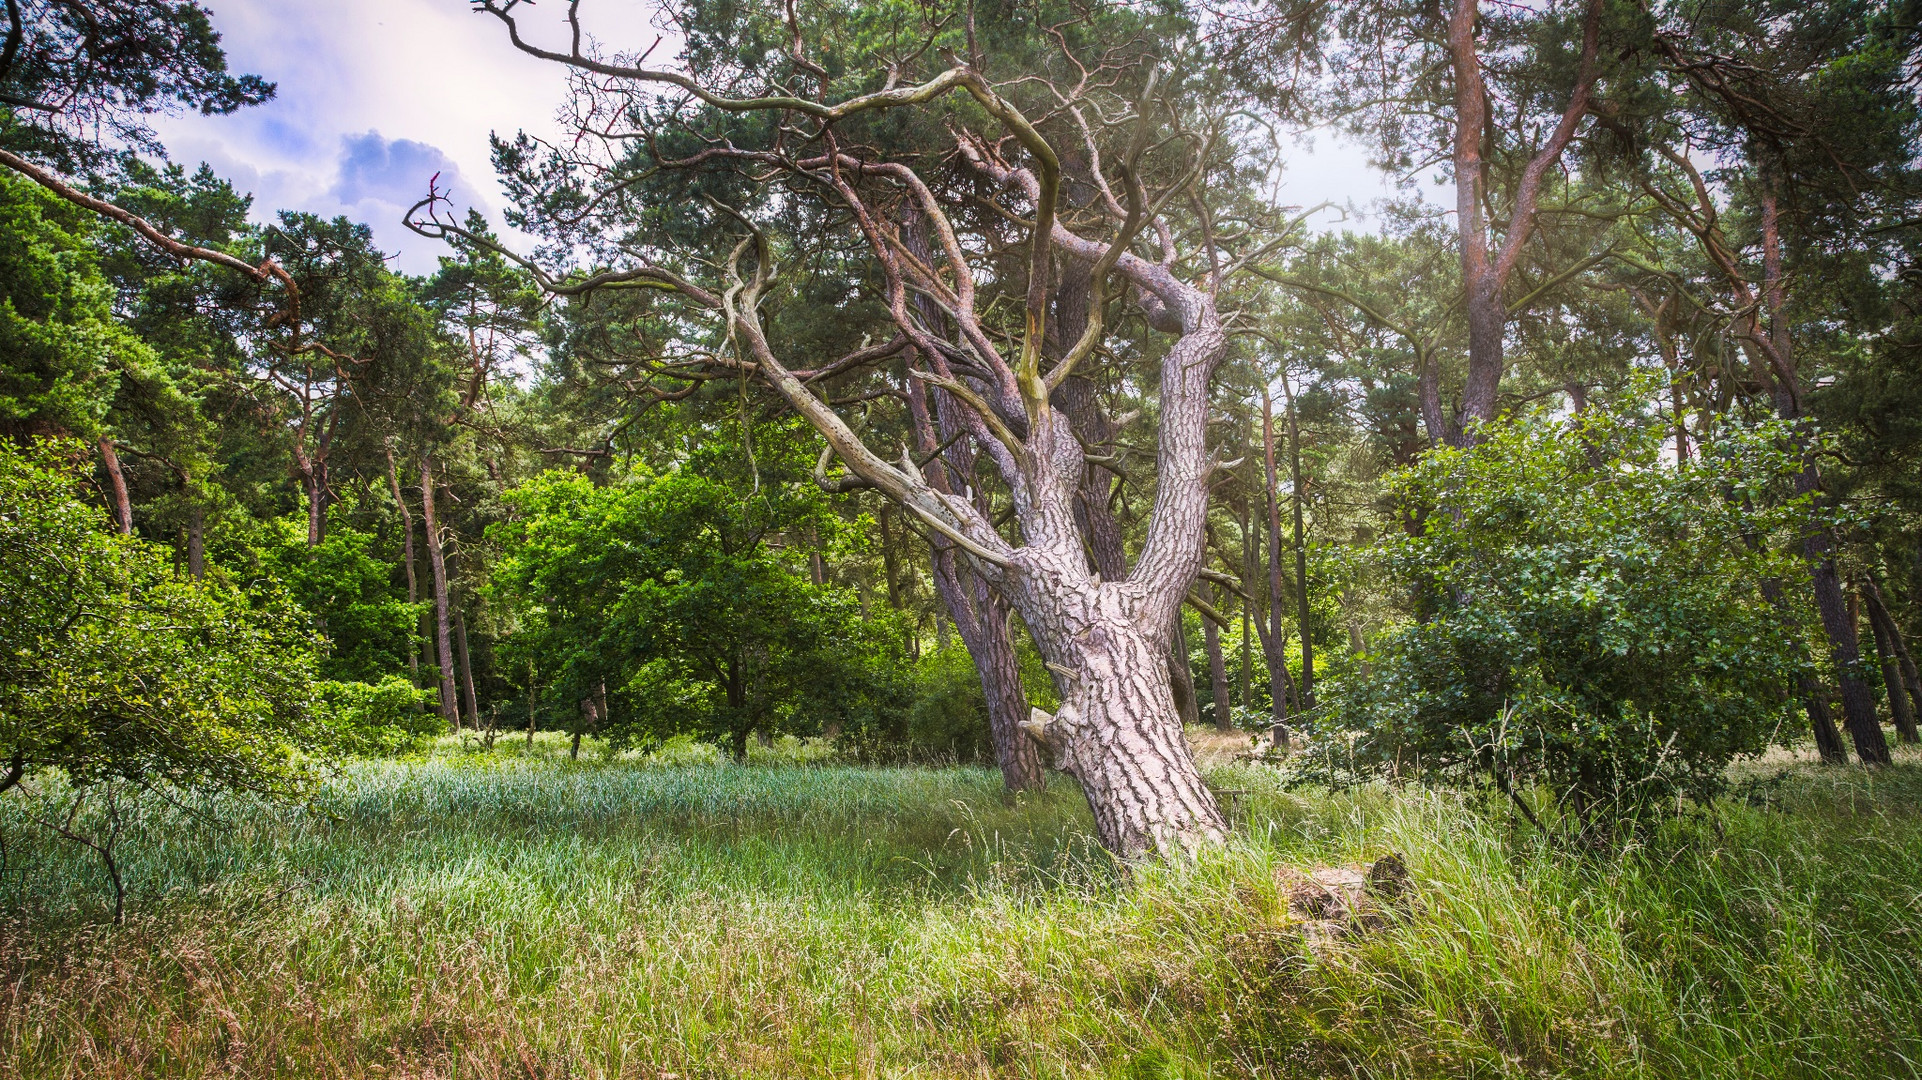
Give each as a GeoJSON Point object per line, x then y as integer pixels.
{"type": "Point", "coordinates": [517, 915]}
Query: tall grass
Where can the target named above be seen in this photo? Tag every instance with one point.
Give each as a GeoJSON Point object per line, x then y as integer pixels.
{"type": "Point", "coordinates": [515, 914]}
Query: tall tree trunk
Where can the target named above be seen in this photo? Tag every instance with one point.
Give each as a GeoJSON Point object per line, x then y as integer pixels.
{"type": "Point", "coordinates": [1307, 701]}
{"type": "Point", "coordinates": [1250, 558]}
{"type": "Point", "coordinates": [1910, 679]}
{"type": "Point", "coordinates": [1886, 635]}
{"type": "Point", "coordinates": [1105, 641]}
{"type": "Point", "coordinates": [407, 554]}
{"type": "Point", "coordinates": [466, 668]}
{"type": "Point", "coordinates": [312, 471]}
{"type": "Point", "coordinates": [1858, 705]}
{"type": "Point", "coordinates": [121, 506]}
{"type": "Point", "coordinates": [197, 542]}
{"type": "Point", "coordinates": [1815, 699]}
{"type": "Point", "coordinates": [1076, 399]}
{"type": "Point", "coordinates": [1485, 272]}
{"type": "Point", "coordinates": [1777, 350]}
{"type": "Point", "coordinates": [1217, 675]}
{"type": "Point", "coordinates": [449, 704]}
{"type": "Point", "coordinates": [1274, 640]}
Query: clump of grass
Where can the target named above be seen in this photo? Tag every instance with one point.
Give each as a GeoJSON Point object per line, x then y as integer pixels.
{"type": "Point", "coordinates": [469, 914]}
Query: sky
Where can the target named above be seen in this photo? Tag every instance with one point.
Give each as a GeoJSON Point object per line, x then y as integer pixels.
{"type": "Point", "coordinates": [376, 96]}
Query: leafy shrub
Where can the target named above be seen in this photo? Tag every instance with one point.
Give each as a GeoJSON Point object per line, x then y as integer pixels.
{"type": "Point", "coordinates": [115, 667]}
{"type": "Point", "coordinates": [949, 716]}
{"type": "Point", "coordinates": [1595, 615]}
{"type": "Point", "coordinates": [388, 717]}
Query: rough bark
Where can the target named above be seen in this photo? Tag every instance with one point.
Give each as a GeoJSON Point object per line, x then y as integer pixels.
{"type": "Point", "coordinates": [120, 506]}
{"type": "Point", "coordinates": [449, 704]}
{"type": "Point", "coordinates": [1117, 731]}
{"type": "Point", "coordinates": [1889, 652]}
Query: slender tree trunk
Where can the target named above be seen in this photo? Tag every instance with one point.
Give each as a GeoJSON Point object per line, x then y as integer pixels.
{"type": "Point", "coordinates": [533, 703]}
{"type": "Point", "coordinates": [1217, 675]}
{"type": "Point", "coordinates": [1858, 705]}
{"type": "Point", "coordinates": [1301, 560]}
{"type": "Point", "coordinates": [466, 667]}
{"type": "Point", "coordinates": [1776, 357]}
{"type": "Point", "coordinates": [1250, 558]}
{"type": "Point", "coordinates": [1274, 641]}
{"type": "Point", "coordinates": [1828, 741]}
{"type": "Point", "coordinates": [1889, 648]}
{"type": "Point", "coordinates": [122, 506]}
{"type": "Point", "coordinates": [1910, 678]}
{"type": "Point", "coordinates": [197, 542]}
{"type": "Point", "coordinates": [449, 704]}
{"type": "Point", "coordinates": [1485, 272]}
{"type": "Point", "coordinates": [313, 484]}
{"type": "Point", "coordinates": [407, 554]}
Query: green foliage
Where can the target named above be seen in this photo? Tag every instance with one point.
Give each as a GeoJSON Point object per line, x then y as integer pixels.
{"type": "Point", "coordinates": [387, 717]}
{"type": "Point", "coordinates": [78, 80]}
{"type": "Point", "coordinates": [349, 593]}
{"type": "Point", "coordinates": [60, 347]}
{"type": "Point", "coordinates": [669, 592]}
{"type": "Point", "coordinates": [1596, 618]}
{"type": "Point", "coordinates": [115, 666]}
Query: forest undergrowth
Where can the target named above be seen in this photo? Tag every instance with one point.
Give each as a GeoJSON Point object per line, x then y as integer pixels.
{"type": "Point", "coordinates": [514, 914]}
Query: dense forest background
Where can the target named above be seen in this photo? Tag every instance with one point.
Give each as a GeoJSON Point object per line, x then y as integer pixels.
{"type": "Point", "coordinates": [1598, 480]}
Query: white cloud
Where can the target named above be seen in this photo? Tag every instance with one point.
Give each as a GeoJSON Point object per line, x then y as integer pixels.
{"type": "Point", "coordinates": [375, 96]}
{"type": "Point", "coordinates": [371, 92]}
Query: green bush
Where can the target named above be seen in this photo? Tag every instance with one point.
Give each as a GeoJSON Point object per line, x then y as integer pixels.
{"type": "Point", "coordinates": [391, 716]}
{"type": "Point", "coordinates": [949, 716]}
{"type": "Point", "coordinates": [116, 667]}
{"type": "Point", "coordinates": [1595, 618]}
